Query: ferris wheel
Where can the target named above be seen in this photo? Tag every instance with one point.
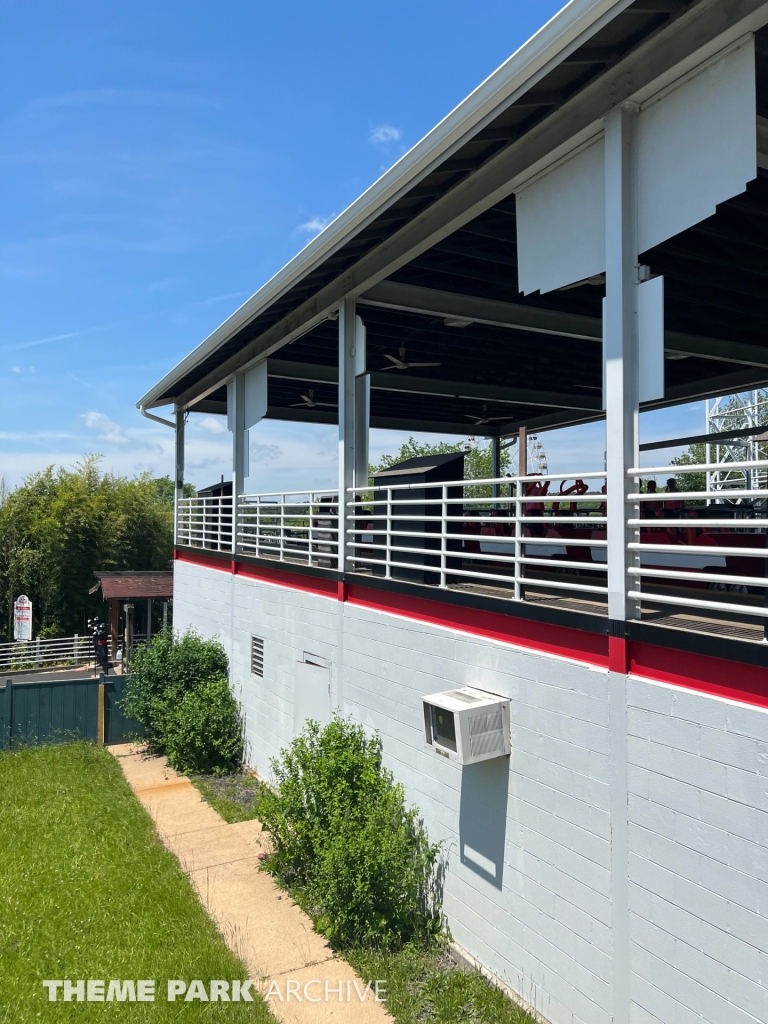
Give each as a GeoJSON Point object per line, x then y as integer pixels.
{"type": "Point", "coordinates": [536, 454]}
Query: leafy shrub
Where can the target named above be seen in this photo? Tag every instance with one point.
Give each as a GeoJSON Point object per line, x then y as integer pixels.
{"type": "Point", "coordinates": [204, 732]}
{"type": "Point", "coordinates": [178, 690]}
{"type": "Point", "coordinates": [163, 671]}
{"type": "Point", "coordinates": [345, 843]}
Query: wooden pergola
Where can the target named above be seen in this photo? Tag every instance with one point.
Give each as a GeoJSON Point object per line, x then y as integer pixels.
{"type": "Point", "coordinates": [127, 587]}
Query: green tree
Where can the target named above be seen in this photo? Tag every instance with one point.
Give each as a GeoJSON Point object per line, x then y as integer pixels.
{"type": "Point", "coordinates": [477, 459]}
{"type": "Point", "coordinates": [58, 527]}
{"type": "Point", "coordinates": [696, 455]}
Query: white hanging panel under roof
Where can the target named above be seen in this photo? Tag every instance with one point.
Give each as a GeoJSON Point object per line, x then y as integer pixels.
{"type": "Point", "coordinates": [696, 147]}
{"type": "Point", "coordinates": [561, 223]}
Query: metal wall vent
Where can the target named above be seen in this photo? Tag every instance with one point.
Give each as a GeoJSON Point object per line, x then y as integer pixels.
{"type": "Point", "coordinates": [257, 656]}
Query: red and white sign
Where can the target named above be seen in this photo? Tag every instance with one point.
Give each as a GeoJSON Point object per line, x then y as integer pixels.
{"type": "Point", "coordinates": [22, 618]}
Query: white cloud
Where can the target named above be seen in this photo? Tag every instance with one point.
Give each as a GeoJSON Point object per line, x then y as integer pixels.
{"type": "Point", "coordinates": [315, 225]}
{"type": "Point", "coordinates": [214, 424]}
{"type": "Point", "coordinates": [264, 453]}
{"type": "Point", "coordinates": [7, 435]}
{"type": "Point", "coordinates": [16, 369]}
{"type": "Point", "coordinates": [41, 341]}
{"type": "Point", "coordinates": [109, 431]}
{"type": "Point", "coordinates": [383, 134]}
{"type": "Point", "coordinates": [122, 462]}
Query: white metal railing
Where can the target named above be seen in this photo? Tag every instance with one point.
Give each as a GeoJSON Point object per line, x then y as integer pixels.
{"type": "Point", "coordinates": [205, 523]}
{"type": "Point", "coordinates": [294, 526]}
{"type": "Point", "coordinates": [691, 548]}
{"type": "Point", "coordinates": [695, 550]}
{"type": "Point", "coordinates": [31, 654]}
{"type": "Point", "coordinates": [444, 533]}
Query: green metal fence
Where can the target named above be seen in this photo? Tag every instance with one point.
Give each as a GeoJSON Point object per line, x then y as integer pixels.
{"type": "Point", "coordinates": [39, 711]}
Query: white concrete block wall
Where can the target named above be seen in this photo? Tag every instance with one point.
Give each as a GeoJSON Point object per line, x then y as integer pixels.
{"type": "Point", "coordinates": [698, 820]}
{"type": "Point", "coordinates": [527, 840]}
{"type": "Point", "coordinates": [528, 889]}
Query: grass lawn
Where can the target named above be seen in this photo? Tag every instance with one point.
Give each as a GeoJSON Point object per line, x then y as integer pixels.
{"type": "Point", "coordinates": [87, 891]}
{"type": "Point", "coordinates": [423, 986]}
{"type": "Point", "coordinates": [428, 987]}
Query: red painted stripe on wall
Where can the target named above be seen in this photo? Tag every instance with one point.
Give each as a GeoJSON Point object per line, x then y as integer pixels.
{"type": "Point", "coordinates": [539, 636]}
{"type": "Point", "coordinates": [292, 580]}
{"type": "Point", "coordinates": [222, 564]}
{"type": "Point", "coordinates": [702, 673]}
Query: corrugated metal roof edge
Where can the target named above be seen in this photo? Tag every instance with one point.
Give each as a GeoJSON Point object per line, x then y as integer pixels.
{"type": "Point", "coordinates": [570, 27]}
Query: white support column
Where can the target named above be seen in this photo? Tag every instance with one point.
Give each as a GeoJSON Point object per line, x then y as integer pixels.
{"type": "Point", "coordinates": [620, 338]}
{"type": "Point", "coordinates": [354, 403]}
{"type": "Point", "coordinates": [362, 405]}
{"type": "Point", "coordinates": [496, 464]}
{"type": "Point", "coordinates": [179, 469]}
{"type": "Point", "coordinates": [236, 423]}
{"type": "Point", "coordinates": [622, 370]}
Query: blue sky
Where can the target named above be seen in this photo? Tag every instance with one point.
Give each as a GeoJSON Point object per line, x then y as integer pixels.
{"type": "Point", "coordinates": [161, 160]}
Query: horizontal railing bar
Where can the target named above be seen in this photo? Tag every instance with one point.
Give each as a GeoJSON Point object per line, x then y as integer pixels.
{"type": "Point", "coordinates": [562, 519]}
{"type": "Point", "coordinates": [705, 577]}
{"type": "Point", "coordinates": [692, 495]}
{"type": "Point", "coordinates": [405, 533]}
{"type": "Point", "coordinates": [21, 645]}
{"type": "Point", "coordinates": [700, 549]}
{"type": "Point", "coordinates": [561, 563]}
{"type": "Point", "coordinates": [528, 499]}
{"type": "Point", "coordinates": [592, 475]}
{"type": "Point", "coordinates": [334, 495]}
{"type": "Point", "coordinates": [564, 499]}
{"type": "Point", "coordinates": [31, 652]}
{"type": "Point", "coordinates": [497, 520]}
{"type": "Point", "coordinates": [480, 538]}
{"type": "Point", "coordinates": [288, 527]}
{"type": "Point", "coordinates": [556, 541]}
{"type": "Point", "coordinates": [207, 529]}
{"type": "Point", "coordinates": [261, 516]}
{"type": "Point", "coordinates": [79, 638]}
{"type": "Point", "coordinates": [585, 588]}
{"type": "Point", "coordinates": [477, 556]}
{"type": "Point", "coordinates": [479, 519]}
{"type": "Point", "coordinates": [705, 467]}
{"type": "Point", "coordinates": [687, 602]}
{"type": "Point", "coordinates": [527, 581]}
{"type": "Point", "coordinates": [730, 524]}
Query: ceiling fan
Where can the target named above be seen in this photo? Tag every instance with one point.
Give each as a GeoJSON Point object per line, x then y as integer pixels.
{"type": "Point", "coordinates": [482, 420]}
{"type": "Point", "coordinates": [400, 364]}
{"type": "Point", "coordinates": [596, 280]}
{"type": "Point", "coordinates": [310, 403]}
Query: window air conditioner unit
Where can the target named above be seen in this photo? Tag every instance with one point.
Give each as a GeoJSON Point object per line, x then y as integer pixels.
{"type": "Point", "coordinates": [467, 725]}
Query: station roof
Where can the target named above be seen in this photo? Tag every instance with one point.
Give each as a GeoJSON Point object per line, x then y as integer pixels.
{"type": "Point", "coordinates": [124, 586]}
{"type": "Point", "coordinates": [429, 251]}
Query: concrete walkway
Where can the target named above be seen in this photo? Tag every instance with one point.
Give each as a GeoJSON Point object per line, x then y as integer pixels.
{"type": "Point", "coordinates": [259, 922]}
